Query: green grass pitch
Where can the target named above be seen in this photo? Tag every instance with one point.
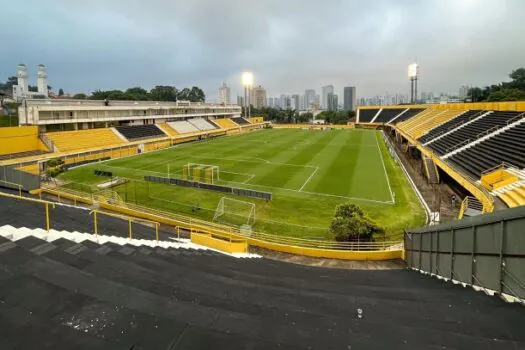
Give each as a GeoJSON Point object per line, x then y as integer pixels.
{"type": "Point", "coordinates": [309, 172]}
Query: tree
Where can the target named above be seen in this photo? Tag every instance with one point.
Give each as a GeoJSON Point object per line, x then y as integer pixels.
{"type": "Point", "coordinates": [80, 96]}
{"type": "Point", "coordinates": [60, 92]}
{"type": "Point", "coordinates": [506, 91]}
{"type": "Point", "coordinates": [137, 94]}
{"type": "Point", "coordinates": [305, 117]}
{"type": "Point", "coordinates": [184, 94]}
{"type": "Point", "coordinates": [164, 93]}
{"type": "Point", "coordinates": [196, 95]}
{"type": "Point", "coordinates": [32, 88]}
{"type": "Point", "coordinates": [351, 224]}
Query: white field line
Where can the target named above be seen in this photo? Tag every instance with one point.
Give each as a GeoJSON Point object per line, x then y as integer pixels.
{"type": "Point", "coordinates": [384, 168]}
{"type": "Point", "coordinates": [314, 193]}
{"type": "Point", "coordinates": [246, 181]}
{"type": "Point", "coordinates": [309, 178]}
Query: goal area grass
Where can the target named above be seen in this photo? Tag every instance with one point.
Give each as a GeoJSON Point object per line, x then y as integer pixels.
{"type": "Point", "coordinates": [309, 172]}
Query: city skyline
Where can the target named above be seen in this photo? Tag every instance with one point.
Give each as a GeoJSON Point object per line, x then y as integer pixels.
{"type": "Point", "coordinates": [116, 45]}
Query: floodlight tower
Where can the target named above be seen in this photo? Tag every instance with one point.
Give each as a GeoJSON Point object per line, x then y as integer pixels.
{"type": "Point", "coordinates": [413, 73]}
{"type": "Point", "coordinates": [247, 82]}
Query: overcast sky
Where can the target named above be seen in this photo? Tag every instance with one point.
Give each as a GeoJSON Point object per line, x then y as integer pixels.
{"type": "Point", "coordinates": [289, 45]}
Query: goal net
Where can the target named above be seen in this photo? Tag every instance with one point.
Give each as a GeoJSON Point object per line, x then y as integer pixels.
{"type": "Point", "coordinates": [204, 173]}
{"type": "Point", "coordinates": [235, 212]}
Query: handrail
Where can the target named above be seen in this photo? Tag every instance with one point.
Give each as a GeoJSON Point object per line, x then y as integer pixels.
{"type": "Point", "coordinates": [229, 230]}
{"type": "Point", "coordinates": [123, 217]}
{"type": "Point", "coordinates": [46, 203]}
{"type": "Point", "coordinates": [14, 184]}
{"type": "Point", "coordinates": [489, 131]}
{"type": "Point", "coordinates": [456, 146]}
{"type": "Point", "coordinates": [513, 119]}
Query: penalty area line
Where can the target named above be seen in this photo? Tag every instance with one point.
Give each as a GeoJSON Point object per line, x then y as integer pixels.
{"type": "Point", "coordinates": [309, 178]}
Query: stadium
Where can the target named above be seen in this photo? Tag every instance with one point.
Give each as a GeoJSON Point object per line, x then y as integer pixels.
{"type": "Point", "coordinates": [158, 223]}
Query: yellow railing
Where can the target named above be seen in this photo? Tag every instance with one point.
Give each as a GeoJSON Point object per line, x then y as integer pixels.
{"type": "Point", "coordinates": [46, 204]}
{"type": "Point", "coordinates": [229, 232]}
{"type": "Point", "coordinates": [130, 220]}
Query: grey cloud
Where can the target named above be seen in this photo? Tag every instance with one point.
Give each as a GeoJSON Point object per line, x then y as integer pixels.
{"type": "Point", "coordinates": [289, 45]}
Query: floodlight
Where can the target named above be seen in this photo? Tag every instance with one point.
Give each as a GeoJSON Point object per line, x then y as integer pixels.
{"type": "Point", "coordinates": [247, 79]}
{"type": "Point", "coordinates": [413, 70]}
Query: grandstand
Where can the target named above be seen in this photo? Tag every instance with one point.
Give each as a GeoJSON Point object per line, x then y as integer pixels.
{"type": "Point", "coordinates": [140, 132]}
{"type": "Point", "coordinates": [83, 139]}
{"type": "Point", "coordinates": [167, 129]}
{"type": "Point", "coordinates": [225, 123]}
{"type": "Point", "coordinates": [201, 124]}
{"type": "Point", "coordinates": [183, 127]}
{"type": "Point", "coordinates": [240, 121]}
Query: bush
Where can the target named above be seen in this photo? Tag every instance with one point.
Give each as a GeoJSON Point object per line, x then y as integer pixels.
{"type": "Point", "coordinates": [55, 171]}
{"type": "Point", "coordinates": [54, 162]}
{"type": "Point", "coordinates": [351, 224]}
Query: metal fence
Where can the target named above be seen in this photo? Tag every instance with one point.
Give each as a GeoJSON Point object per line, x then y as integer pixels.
{"type": "Point", "coordinates": [10, 177]}
{"type": "Point", "coordinates": [486, 251]}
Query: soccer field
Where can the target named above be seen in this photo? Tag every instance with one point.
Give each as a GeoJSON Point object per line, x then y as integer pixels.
{"type": "Point", "coordinates": [308, 172]}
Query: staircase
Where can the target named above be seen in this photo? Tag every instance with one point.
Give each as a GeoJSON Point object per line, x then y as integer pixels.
{"type": "Point", "coordinates": [470, 206]}
{"type": "Point", "coordinates": [68, 293]}
{"type": "Point", "coordinates": [431, 170]}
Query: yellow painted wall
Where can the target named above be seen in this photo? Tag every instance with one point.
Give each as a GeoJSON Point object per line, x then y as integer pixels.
{"type": "Point", "coordinates": [235, 246]}
{"type": "Point", "coordinates": [488, 106]}
{"type": "Point", "coordinates": [20, 139]}
{"type": "Point", "coordinates": [255, 120]}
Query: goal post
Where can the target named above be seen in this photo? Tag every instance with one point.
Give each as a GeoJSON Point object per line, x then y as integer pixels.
{"type": "Point", "coordinates": [235, 212]}
{"type": "Point", "coordinates": [205, 173]}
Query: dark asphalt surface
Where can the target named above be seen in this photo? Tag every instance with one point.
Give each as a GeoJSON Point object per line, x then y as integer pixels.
{"type": "Point", "coordinates": [65, 295]}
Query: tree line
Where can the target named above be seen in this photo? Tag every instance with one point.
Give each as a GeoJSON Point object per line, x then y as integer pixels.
{"type": "Point", "coordinates": [505, 91]}
{"type": "Point", "coordinates": [291, 116]}
{"type": "Point", "coordinates": [158, 93]}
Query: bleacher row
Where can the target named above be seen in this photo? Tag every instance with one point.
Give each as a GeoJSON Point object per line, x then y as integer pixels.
{"type": "Point", "coordinates": [65, 141]}
{"type": "Point", "coordinates": [471, 141]}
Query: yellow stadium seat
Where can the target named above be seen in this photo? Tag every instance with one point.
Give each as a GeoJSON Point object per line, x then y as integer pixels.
{"type": "Point", "coordinates": [225, 123]}
{"type": "Point", "coordinates": [167, 129]}
{"type": "Point", "coordinates": [84, 139]}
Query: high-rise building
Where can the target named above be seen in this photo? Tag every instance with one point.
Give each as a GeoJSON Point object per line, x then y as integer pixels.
{"type": "Point", "coordinates": [295, 102]}
{"type": "Point", "coordinates": [240, 100]}
{"type": "Point", "coordinates": [224, 94]}
{"type": "Point", "coordinates": [332, 102]}
{"type": "Point", "coordinates": [309, 98]}
{"type": "Point", "coordinates": [258, 97]}
{"type": "Point", "coordinates": [326, 90]}
{"type": "Point", "coordinates": [350, 98]}
{"type": "Point", "coordinates": [271, 102]}
{"type": "Point", "coordinates": [463, 92]}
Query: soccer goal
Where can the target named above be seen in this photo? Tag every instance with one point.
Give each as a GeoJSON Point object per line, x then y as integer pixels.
{"type": "Point", "coordinates": [205, 173]}
{"type": "Point", "coordinates": [235, 212]}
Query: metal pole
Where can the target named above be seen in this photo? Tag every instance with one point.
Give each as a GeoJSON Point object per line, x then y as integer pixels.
{"type": "Point", "coordinates": [129, 221]}
{"type": "Point", "coordinates": [95, 222]}
{"type": "Point", "coordinates": [47, 217]}
{"type": "Point", "coordinates": [157, 231]}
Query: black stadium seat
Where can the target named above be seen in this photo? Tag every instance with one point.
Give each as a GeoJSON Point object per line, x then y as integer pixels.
{"type": "Point", "coordinates": [471, 132]}
{"type": "Point", "coordinates": [508, 147]}
{"type": "Point", "coordinates": [366, 115]}
{"type": "Point", "coordinates": [412, 112]}
{"type": "Point", "coordinates": [240, 121]}
{"type": "Point", "coordinates": [450, 125]}
{"type": "Point", "coordinates": [138, 132]}
{"type": "Point", "coordinates": [387, 115]}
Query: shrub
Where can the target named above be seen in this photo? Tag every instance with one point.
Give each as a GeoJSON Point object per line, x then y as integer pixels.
{"type": "Point", "coordinates": [351, 224]}
{"type": "Point", "coordinates": [54, 162]}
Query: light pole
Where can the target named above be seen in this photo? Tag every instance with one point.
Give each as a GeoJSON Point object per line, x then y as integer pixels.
{"type": "Point", "coordinates": [247, 82]}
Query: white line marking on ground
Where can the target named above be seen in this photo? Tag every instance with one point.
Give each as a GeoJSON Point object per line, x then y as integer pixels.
{"type": "Point", "coordinates": [309, 178]}
{"type": "Point", "coordinates": [384, 168]}
{"type": "Point", "coordinates": [246, 181]}
{"type": "Point", "coordinates": [313, 193]}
